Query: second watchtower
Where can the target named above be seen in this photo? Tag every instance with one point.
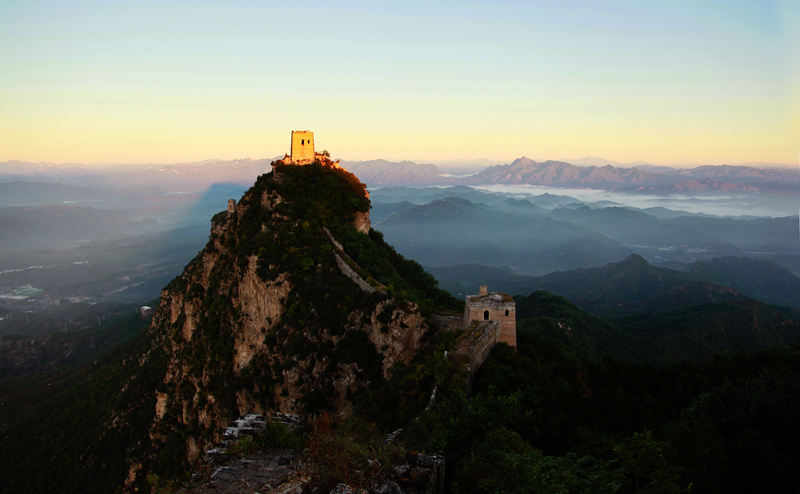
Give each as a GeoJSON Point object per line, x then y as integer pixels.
{"type": "Point", "coordinates": [498, 307]}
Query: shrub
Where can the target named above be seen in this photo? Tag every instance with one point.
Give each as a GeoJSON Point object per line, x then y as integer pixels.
{"type": "Point", "coordinates": [277, 435]}
{"type": "Point", "coordinates": [352, 452]}
{"type": "Point", "coordinates": [245, 445]}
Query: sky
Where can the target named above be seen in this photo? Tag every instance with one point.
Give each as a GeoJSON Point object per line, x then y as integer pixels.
{"type": "Point", "coordinates": [673, 82]}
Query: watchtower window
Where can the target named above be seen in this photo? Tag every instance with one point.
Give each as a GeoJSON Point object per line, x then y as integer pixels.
{"type": "Point", "coordinates": [506, 312]}
{"type": "Point", "coordinates": [302, 141]}
{"type": "Point", "coordinates": [486, 315]}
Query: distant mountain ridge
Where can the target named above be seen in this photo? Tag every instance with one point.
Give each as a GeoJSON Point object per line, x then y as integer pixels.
{"type": "Point", "coordinates": [586, 172]}
{"type": "Point", "coordinates": [455, 228]}
{"type": "Point", "coordinates": [175, 176]}
{"type": "Point", "coordinates": [382, 172]}
{"type": "Point", "coordinates": [545, 234]}
{"type": "Point", "coordinates": [693, 186]}
{"type": "Point", "coordinates": [526, 171]}
{"type": "Point", "coordinates": [633, 285]}
{"type": "Point", "coordinates": [595, 161]}
{"type": "Point", "coordinates": [741, 172]}
{"type": "Point", "coordinates": [295, 304]}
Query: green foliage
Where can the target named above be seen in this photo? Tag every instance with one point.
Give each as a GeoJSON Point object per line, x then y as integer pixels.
{"type": "Point", "coordinates": [644, 459]}
{"type": "Point", "coordinates": [662, 338]}
{"type": "Point", "coordinates": [277, 435]}
{"type": "Point", "coordinates": [158, 486]}
{"type": "Point", "coordinates": [700, 331]}
{"type": "Point", "coordinates": [405, 278]}
{"type": "Point", "coordinates": [558, 414]}
{"type": "Point", "coordinates": [504, 463]}
{"type": "Point", "coordinates": [601, 425]}
{"type": "Point", "coordinates": [353, 453]}
{"type": "Point", "coordinates": [245, 445]}
{"type": "Point", "coordinates": [289, 239]}
{"type": "Point", "coordinates": [357, 348]}
{"type": "Point", "coordinates": [742, 435]}
{"type": "Point", "coordinates": [69, 348]}
{"type": "Point", "coordinates": [456, 423]}
{"type": "Point", "coordinates": [56, 428]}
{"type": "Point", "coordinates": [405, 395]}
{"type": "Point", "coordinates": [564, 321]}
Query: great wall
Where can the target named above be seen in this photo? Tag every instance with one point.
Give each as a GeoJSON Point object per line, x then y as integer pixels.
{"type": "Point", "coordinates": [489, 318]}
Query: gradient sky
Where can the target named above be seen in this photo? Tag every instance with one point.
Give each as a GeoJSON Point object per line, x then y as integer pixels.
{"type": "Point", "coordinates": [672, 82]}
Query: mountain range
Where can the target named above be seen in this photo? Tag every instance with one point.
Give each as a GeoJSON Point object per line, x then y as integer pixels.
{"type": "Point", "coordinates": [522, 171]}
{"type": "Point", "coordinates": [634, 286]}
{"type": "Point", "coordinates": [454, 228]}
{"type": "Point", "coordinates": [548, 233]}
{"type": "Point", "coordinates": [382, 172]}
{"type": "Point", "coordinates": [298, 314]}
{"type": "Point", "coordinates": [695, 331]}
{"type": "Point", "coordinates": [177, 177]}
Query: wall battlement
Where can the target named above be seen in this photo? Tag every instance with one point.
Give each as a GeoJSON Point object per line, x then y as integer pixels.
{"type": "Point", "coordinates": [477, 343]}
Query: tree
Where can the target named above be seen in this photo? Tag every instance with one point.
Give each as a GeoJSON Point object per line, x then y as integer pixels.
{"type": "Point", "coordinates": [643, 458]}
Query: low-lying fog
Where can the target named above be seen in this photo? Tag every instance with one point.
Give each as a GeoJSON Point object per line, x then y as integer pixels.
{"type": "Point", "coordinates": [771, 205]}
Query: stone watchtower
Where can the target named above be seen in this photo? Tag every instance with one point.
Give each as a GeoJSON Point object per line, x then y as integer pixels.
{"type": "Point", "coordinates": [302, 147]}
{"type": "Point", "coordinates": [499, 307]}
{"type": "Point", "coordinates": [302, 152]}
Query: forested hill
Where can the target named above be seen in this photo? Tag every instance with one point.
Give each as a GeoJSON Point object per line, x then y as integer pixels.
{"type": "Point", "coordinates": [633, 286]}
{"type": "Point", "coordinates": [696, 332]}
{"type": "Point", "coordinates": [296, 306]}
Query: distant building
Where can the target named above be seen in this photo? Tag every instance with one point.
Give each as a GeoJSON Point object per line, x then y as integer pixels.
{"type": "Point", "coordinates": [494, 307]}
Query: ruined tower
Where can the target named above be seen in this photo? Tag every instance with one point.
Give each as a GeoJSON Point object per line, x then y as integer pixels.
{"type": "Point", "coordinates": [302, 151]}
{"type": "Point", "coordinates": [498, 307]}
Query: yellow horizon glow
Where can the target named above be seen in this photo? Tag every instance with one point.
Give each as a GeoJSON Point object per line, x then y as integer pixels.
{"type": "Point", "coordinates": [684, 84]}
{"type": "Point", "coordinates": [93, 143]}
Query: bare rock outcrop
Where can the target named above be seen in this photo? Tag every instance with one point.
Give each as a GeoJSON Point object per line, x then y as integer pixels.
{"type": "Point", "coordinates": [396, 330]}
{"type": "Point", "coordinates": [273, 315]}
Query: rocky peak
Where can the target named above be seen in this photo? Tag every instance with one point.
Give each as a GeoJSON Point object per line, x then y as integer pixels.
{"type": "Point", "coordinates": [276, 312]}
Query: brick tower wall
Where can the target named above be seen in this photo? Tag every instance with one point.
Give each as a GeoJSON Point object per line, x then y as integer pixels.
{"type": "Point", "coordinates": [474, 311]}
{"type": "Point", "coordinates": [302, 146]}
{"type": "Point", "coordinates": [508, 330]}
{"type": "Point", "coordinates": [508, 324]}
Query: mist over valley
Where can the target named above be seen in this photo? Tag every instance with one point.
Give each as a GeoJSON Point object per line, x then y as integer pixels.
{"type": "Point", "coordinates": [101, 282]}
{"type": "Point", "coordinates": [127, 227]}
{"type": "Point", "coordinates": [399, 247]}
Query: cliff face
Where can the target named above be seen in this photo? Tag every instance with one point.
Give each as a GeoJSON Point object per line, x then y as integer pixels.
{"type": "Point", "coordinates": [275, 313]}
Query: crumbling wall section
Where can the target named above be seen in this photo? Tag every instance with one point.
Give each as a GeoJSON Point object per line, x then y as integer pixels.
{"type": "Point", "coordinates": [477, 343]}
{"type": "Point", "coordinates": [350, 273]}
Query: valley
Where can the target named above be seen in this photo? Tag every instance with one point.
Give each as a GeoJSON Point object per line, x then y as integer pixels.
{"type": "Point", "coordinates": [399, 247]}
{"type": "Point", "coordinates": [608, 285]}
